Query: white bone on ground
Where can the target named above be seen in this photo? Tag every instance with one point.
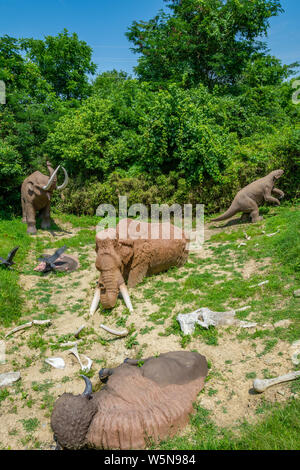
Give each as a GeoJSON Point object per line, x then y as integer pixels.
{"type": "Point", "coordinates": [295, 349]}
{"type": "Point", "coordinates": [76, 334]}
{"type": "Point", "coordinates": [28, 325]}
{"type": "Point", "coordinates": [206, 318]}
{"type": "Point", "coordinates": [8, 378]}
{"type": "Point", "coordinates": [260, 284]}
{"type": "Point", "coordinates": [56, 362]}
{"type": "Point", "coordinates": [114, 332]}
{"type": "Point", "coordinates": [272, 234]}
{"type": "Point", "coordinates": [262, 385]}
{"type": "Point", "coordinates": [86, 367]}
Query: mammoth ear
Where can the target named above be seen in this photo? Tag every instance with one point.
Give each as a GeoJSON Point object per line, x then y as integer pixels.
{"type": "Point", "coordinates": [126, 250]}
{"type": "Point", "coordinates": [30, 188]}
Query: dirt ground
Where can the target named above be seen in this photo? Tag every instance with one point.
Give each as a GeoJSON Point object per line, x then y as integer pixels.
{"type": "Point", "coordinates": [228, 392]}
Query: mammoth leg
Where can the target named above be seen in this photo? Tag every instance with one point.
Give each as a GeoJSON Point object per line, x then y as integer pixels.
{"type": "Point", "coordinates": [24, 218]}
{"type": "Point", "coordinates": [30, 216]}
{"type": "Point", "coordinates": [45, 214]}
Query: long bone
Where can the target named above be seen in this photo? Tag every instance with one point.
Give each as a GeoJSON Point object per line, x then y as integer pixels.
{"type": "Point", "coordinates": [262, 385]}
{"type": "Point", "coordinates": [85, 368]}
{"type": "Point", "coordinates": [114, 332]}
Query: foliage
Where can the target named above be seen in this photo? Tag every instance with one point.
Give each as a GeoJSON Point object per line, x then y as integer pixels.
{"type": "Point", "coordinates": [64, 61]}
{"type": "Point", "coordinates": [207, 41]}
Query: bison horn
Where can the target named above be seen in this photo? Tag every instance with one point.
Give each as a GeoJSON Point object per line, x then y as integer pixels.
{"type": "Point", "coordinates": [95, 302]}
{"type": "Point", "coordinates": [62, 186]}
{"type": "Point", "coordinates": [125, 294]}
{"type": "Point", "coordinates": [88, 387]}
{"type": "Point", "coordinates": [48, 185]}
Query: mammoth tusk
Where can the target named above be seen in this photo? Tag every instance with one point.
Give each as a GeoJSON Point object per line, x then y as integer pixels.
{"type": "Point", "coordinates": [125, 294]}
{"type": "Point", "coordinates": [62, 186]}
{"type": "Point", "coordinates": [262, 385]}
{"type": "Point", "coordinates": [48, 185]}
{"type": "Point", "coordinates": [95, 302]}
{"type": "Point", "coordinates": [88, 387]}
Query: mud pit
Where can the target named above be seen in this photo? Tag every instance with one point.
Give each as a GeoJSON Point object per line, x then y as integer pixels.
{"type": "Point", "coordinates": [25, 413]}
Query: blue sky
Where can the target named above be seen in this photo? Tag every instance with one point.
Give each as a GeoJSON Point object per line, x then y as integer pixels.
{"type": "Point", "coordinates": [103, 23]}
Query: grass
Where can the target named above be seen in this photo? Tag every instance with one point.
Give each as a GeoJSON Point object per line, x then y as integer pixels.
{"type": "Point", "coordinates": [12, 234]}
{"type": "Point", "coordinates": [279, 430]}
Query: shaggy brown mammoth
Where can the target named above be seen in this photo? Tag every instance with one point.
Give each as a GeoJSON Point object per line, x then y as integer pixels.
{"type": "Point", "coordinates": [143, 401]}
{"type": "Point", "coordinates": [132, 251]}
{"type": "Point", "coordinates": [36, 193]}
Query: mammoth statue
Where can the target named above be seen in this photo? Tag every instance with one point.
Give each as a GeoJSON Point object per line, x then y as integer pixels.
{"type": "Point", "coordinates": [132, 251]}
{"type": "Point", "coordinates": [142, 400]}
{"type": "Point", "coordinates": [36, 193]}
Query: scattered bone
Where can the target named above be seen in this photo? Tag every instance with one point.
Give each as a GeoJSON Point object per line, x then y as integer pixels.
{"type": "Point", "coordinates": [85, 368]}
{"type": "Point", "coordinates": [28, 325]}
{"type": "Point", "coordinates": [260, 284]}
{"type": "Point", "coordinates": [56, 362]}
{"type": "Point", "coordinates": [8, 378]}
{"type": "Point", "coordinates": [114, 332]}
{"type": "Point", "coordinates": [272, 234]}
{"type": "Point", "coordinates": [282, 324]}
{"type": "Point", "coordinates": [247, 236]}
{"type": "Point", "coordinates": [262, 385]}
{"type": "Point", "coordinates": [69, 343]}
{"type": "Point", "coordinates": [206, 318]}
{"type": "Point", "coordinates": [242, 244]}
{"type": "Point", "coordinates": [76, 334]}
{"type": "Point", "coordinates": [295, 349]}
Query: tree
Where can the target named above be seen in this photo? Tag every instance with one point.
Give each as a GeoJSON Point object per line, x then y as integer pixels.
{"type": "Point", "coordinates": [207, 41]}
{"type": "Point", "coordinates": [64, 61]}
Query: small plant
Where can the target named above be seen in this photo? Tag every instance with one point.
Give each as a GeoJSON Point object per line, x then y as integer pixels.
{"type": "Point", "coordinates": [251, 375]}
{"type": "Point", "coordinates": [30, 424]}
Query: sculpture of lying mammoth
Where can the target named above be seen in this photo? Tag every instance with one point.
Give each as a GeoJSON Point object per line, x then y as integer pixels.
{"type": "Point", "coordinates": [142, 400]}
{"type": "Point", "coordinates": [36, 194]}
{"type": "Point", "coordinates": [132, 251]}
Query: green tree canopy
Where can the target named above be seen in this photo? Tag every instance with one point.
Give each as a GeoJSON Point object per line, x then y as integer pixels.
{"type": "Point", "coordinates": [207, 41]}
{"type": "Point", "coordinates": [64, 61]}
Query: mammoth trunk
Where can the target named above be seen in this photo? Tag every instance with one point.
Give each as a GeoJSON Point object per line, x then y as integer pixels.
{"type": "Point", "coordinates": [109, 289]}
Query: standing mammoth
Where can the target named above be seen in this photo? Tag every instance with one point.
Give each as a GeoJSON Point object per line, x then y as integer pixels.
{"type": "Point", "coordinates": [132, 251]}
{"type": "Point", "coordinates": [36, 193]}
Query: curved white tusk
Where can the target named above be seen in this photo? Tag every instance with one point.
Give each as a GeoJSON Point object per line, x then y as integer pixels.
{"type": "Point", "coordinates": [262, 385]}
{"type": "Point", "coordinates": [48, 185]}
{"type": "Point", "coordinates": [62, 186]}
{"type": "Point", "coordinates": [95, 302]}
{"type": "Point", "coordinates": [125, 294]}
